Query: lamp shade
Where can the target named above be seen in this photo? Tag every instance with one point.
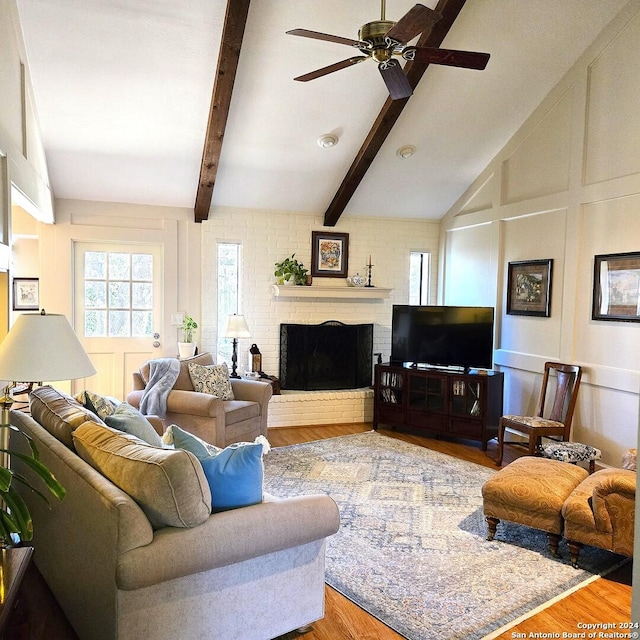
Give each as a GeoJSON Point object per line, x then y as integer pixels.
{"type": "Point", "coordinates": [237, 327]}
{"type": "Point", "coordinates": [43, 347]}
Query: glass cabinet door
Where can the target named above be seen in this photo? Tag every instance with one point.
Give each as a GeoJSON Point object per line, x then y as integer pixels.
{"type": "Point", "coordinates": [427, 393]}
{"type": "Point", "coordinates": [465, 397]}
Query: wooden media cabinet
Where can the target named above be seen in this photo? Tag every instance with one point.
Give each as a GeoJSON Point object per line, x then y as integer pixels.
{"type": "Point", "coordinates": [458, 404]}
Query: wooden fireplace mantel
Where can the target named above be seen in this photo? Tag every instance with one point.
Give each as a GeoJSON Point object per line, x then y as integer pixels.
{"type": "Point", "coordinates": [321, 291]}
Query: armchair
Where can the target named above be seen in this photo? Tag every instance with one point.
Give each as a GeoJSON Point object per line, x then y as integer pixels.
{"type": "Point", "coordinates": [220, 422]}
{"type": "Point", "coordinates": [600, 512]}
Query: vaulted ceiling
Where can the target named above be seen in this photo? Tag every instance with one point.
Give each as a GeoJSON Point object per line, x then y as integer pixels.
{"type": "Point", "coordinates": [123, 89]}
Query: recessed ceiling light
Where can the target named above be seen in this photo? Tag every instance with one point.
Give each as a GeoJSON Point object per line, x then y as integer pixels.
{"type": "Point", "coordinates": [406, 152]}
{"type": "Point", "coordinates": [327, 141]}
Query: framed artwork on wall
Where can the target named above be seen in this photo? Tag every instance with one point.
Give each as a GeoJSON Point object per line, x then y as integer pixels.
{"type": "Point", "coordinates": [529, 288]}
{"type": "Point", "coordinates": [616, 287]}
{"type": "Point", "coordinates": [26, 294]}
{"type": "Point", "coordinates": [329, 254]}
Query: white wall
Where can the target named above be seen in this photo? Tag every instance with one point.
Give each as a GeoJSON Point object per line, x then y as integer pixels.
{"type": "Point", "coordinates": [565, 187]}
{"type": "Point", "coordinates": [267, 237]}
{"type": "Point", "coordinates": [20, 138]}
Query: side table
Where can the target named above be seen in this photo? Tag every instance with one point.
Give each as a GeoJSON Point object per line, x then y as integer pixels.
{"type": "Point", "coordinates": [275, 383]}
{"type": "Point", "coordinates": [13, 564]}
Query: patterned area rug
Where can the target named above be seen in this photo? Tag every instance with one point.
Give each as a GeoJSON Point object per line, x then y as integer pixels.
{"type": "Point", "coordinates": [412, 548]}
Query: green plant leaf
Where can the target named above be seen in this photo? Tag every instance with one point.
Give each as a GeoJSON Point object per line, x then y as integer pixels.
{"type": "Point", "coordinates": [18, 513]}
{"type": "Point", "coordinates": [46, 476]}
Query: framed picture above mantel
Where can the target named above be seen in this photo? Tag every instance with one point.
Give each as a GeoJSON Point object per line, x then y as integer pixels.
{"type": "Point", "coordinates": [616, 287]}
{"type": "Point", "coordinates": [529, 288]}
{"type": "Point", "coordinates": [329, 254]}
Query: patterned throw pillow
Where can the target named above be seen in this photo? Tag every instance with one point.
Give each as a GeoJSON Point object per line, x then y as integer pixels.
{"type": "Point", "coordinates": [100, 405]}
{"type": "Point", "coordinates": [212, 379]}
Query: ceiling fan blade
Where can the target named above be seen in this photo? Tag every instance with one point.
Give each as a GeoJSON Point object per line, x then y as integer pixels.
{"type": "Point", "coordinates": [414, 22]}
{"type": "Point", "coordinates": [305, 33]}
{"type": "Point", "coordinates": [450, 57]}
{"type": "Point", "coordinates": [394, 78]}
{"type": "Point", "coordinates": [312, 75]}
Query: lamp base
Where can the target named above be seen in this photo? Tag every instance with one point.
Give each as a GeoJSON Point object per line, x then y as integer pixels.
{"type": "Point", "coordinates": [6, 402]}
{"type": "Point", "coordinates": [234, 360]}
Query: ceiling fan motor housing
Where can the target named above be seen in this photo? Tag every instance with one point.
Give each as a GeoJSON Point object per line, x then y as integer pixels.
{"type": "Point", "coordinates": [374, 33]}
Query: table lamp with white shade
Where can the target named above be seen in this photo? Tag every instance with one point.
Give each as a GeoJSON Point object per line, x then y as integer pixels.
{"type": "Point", "coordinates": [236, 328]}
{"type": "Point", "coordinates": [40, 347]}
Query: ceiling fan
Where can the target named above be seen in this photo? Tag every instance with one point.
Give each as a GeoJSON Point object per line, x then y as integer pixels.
{"type": "Point", "coordinates": [384, 39]}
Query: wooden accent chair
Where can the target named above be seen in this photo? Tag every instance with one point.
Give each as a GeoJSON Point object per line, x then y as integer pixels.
{"type": "Point", "coordinates": [558, 421]}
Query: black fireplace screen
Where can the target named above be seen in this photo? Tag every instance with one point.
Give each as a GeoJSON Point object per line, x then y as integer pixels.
{"type": "Point", "coordinates": [331, 355]}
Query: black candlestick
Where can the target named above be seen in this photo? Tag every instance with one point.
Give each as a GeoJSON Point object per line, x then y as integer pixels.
{"type": "Point", "coordinates": [369, 276]}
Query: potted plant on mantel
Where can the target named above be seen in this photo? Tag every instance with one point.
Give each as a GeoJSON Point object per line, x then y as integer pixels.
{"type": "Point", "coordinates": [290, 271]}
{"type": "Point", "coordinates": [187, 347]}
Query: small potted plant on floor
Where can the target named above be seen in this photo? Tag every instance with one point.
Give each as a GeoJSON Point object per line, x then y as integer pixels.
{"type": "Point", "coordinates": [290, 271]}
{"type": "Point", "coordinates": [187, 347]}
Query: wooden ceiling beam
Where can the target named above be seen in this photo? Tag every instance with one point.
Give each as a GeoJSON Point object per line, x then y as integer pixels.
{"type": "Point", "coordinates": [235, 20]}
{"type": "Point", "coordinates": [388, 116]}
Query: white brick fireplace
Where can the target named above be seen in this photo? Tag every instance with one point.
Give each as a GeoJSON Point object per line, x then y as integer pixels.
{"type": "Point", "coordinates": [265, 238]}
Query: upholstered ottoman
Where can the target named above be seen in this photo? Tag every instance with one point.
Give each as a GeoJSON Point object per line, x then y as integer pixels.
{"type": "Point", "coordinates": [531, 491]}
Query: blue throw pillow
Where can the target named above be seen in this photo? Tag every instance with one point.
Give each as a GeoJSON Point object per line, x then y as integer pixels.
{"type": "Point", "coordinates": [236, 474]}
{"type": "Point", "coordinates": [128, 419]}
{"type": "Point", "coordinates": [181, 439]}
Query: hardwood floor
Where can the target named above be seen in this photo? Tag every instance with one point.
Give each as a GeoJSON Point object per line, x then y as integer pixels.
{"type": "Point", "coordinates": [605, 600]}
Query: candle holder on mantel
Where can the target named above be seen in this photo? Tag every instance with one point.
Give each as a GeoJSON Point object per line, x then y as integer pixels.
{"type": "Point", "coordinates": [369, 274]}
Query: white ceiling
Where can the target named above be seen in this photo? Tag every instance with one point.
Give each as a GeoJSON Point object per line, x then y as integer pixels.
{"type": "Point", "coordinates": [123, 87]}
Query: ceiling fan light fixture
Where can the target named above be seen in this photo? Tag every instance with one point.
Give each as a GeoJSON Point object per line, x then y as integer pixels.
{"type": "Point", "coordinates": [406, 151]}
{"type": "Point", "coordinates": [327, 141]}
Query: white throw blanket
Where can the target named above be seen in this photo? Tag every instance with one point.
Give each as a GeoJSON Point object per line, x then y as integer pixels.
{"type": "Point", "coordinates": [163, 374]}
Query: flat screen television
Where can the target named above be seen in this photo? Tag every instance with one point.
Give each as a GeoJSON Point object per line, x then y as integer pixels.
{"type": "Point", "coordinates": [442, 336]}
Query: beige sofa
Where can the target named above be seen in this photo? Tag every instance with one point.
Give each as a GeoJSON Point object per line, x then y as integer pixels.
{"type": "Point", "coordinates": [250, 573]}
{"type": "Point", "coordinates": [216, 421]}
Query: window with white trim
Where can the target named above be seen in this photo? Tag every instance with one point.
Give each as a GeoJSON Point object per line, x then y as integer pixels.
{"type": "Point", "coordinates": [228, 263]}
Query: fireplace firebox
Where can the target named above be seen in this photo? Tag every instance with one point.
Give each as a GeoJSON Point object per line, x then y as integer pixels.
{"type": "Point", "coordinates": [326, 356]}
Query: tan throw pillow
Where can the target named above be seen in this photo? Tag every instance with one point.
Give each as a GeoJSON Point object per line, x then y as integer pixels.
{"type": "Point", "coordinates": [168, 484]}
{"type": "Point", "coordinates": [58, 413]}
{"type": "Point", "coordinates": [212, 379]}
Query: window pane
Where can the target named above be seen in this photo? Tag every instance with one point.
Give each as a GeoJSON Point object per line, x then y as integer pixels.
{"type": "Point", "coordinates": [119, 266]}
{"type": "Point", "coordinates": [142, 266]}
{"type": "Point", "coordinates": [115, 284]}
{"type": "Point", "coordinates": [119, 295]}
{"type": "Point", "coordinates": [119, 324]}
{"type": "Point", "coordinates": [95, 323]}
{"type": "Point", "coordinates": [141, 323]}
{"type": "Point", "coordinates": [95, 295]}
{"type": "Point", "coordinates": [141, 295]}
{"type": "Point", "coordinates": [95, 264]}
{"type": "Point", "coordinates": [228, 296]}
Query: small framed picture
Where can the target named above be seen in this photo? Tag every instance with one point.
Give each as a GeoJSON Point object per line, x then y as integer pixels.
{"type": "Point", "coordinates": [616, 287]}
{"type": "Point", "coordinates": [26, 294]}
{"type": "Point", "coordinates": [329, 254]}
{"type": "Point", "coordinates": [529, 288]}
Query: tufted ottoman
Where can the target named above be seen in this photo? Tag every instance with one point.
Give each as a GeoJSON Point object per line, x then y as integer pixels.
{"type": "Point", "coordinates": [531, 491]}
